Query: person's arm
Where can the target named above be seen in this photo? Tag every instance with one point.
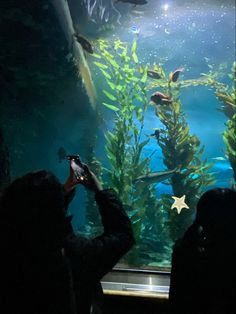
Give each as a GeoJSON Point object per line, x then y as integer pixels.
{"type": "Point", "coordinates": [99, 255]}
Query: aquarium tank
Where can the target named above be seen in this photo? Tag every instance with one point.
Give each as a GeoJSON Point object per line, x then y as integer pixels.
{"type": "Point", "coordinates": [143, 91]}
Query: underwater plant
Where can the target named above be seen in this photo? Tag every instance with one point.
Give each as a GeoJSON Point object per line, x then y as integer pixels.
{"type": "Point", "coordinates": [230, 142]}
{"type": "Point", "coordinates": [126, 92]}
{"type": "Point", "coordinates": [227, 97]}
{"type": "Point", "coordinates": [206, 79]}
{"type": "Point", "coordinates": [127, 96]}
{"type": "Point", "coordinates": [93, 225]}
{"type": "Point", "coordinates": [225, 94]}
{"type": "Point", "coordinates": [183, 152]}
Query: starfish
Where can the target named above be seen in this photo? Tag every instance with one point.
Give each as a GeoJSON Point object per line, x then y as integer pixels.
{"type": "Point", "coordinates": [179, 203]}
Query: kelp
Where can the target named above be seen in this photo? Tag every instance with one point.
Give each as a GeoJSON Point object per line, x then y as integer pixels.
{"type": "Point", "coordinates": [211, 78]}
{"type": "Point", "coordinates": [229, 137]}
{"type": "Point", "coordinates": [93, 225]}
{"type": "Point", "coordinates": [225, 94]}
{"type": "Point", "coordinates": [227, 97]}
{"type": "Point", "coordinates": [125, 94]}
{"type": "Point", "coordinates": [181, 150]}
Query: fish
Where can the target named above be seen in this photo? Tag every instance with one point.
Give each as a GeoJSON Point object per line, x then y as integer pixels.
{"type": "Point", "coordinates": [153, 74]}
{"type": "Point", "coordinates": [137, 12]}
{"type": "Point", "coordinates": [155, 177]}
{"type": "Point", "coordinates": [156, 134]}
{"type": "Point", "coordinates": [86, 45]}
{"type": "Point", "coordinates": [136, 2]}
{"type": "Point", "coordinates": [219, 158]}
{"type": "Point", "coordinates": [160, 99]}
{"type": "Point", "coordinates": [61, 154]}
{"type": "Point", "coordinates": [135, 30]}
{"type": "Point", "coordinates": [175, 75]}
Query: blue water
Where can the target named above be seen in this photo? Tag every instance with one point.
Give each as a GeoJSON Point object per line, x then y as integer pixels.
{"type": "Point", "coordinates": [182, 34]}
{"type": "Point", "coordinates": [190, 36]}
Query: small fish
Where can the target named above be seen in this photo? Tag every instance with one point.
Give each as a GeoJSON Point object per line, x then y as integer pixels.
{"type": "Point", "coordinates": [156, 134]}
{"type": "Point", "coordinates": [137, 12]}
{"type": "Point", "coordinates": [136, 2]}
{"type": "Point", "coordinates": [160, 99]}
{"type": "Point", "coordinates": [175, 75]}
{"type": "Point", "coordinates": [84, 43]}
{"type": "Point", "coordinates": [135, 30]}
{"type": "Point", "coordinates": [61, 154]}
{"type": "Point", "coordinates": [219, 158]}
{"type": "Point", "coordinates": [155, 177]}
{"type": "Point", "coordinates": [153, 74]}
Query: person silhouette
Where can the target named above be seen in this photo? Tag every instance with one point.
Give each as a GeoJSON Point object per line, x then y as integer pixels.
{"type": "Point", "coordinates": [91, 258]}
{"type": "Point", "coordinates": [35, 274]}
{"type": "Point", "coordinates": [46, 268]}
{"type": "Point", "coordinates": [203, 274]}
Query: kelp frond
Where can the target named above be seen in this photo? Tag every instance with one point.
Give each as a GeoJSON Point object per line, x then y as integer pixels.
{"type": "Point", "coordinates": [125, 94]}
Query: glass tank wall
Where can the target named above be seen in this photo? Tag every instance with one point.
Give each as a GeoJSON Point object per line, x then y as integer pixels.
{"type": "Point", "coordinates": [144, 92]}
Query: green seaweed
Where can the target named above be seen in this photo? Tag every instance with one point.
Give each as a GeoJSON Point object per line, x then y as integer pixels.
{"type": "Point", "coordinates": [93, 225]}
{"type": "Point", "coordinates": [211, 78]}
{"type": "Point", "coordinates": [225, 94]}
{"type": "Point", "coordinates": [127, 96]}
{"type": "Point", "coordinates": [227, 97]}
{"type": "Point", "coordinates": [229, 137]}
{"type": "Point", "coordinates": [181, 151]}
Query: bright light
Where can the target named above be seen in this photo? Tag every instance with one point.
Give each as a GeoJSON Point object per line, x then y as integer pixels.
{"type": "Point", "coordinates": [166, 7]}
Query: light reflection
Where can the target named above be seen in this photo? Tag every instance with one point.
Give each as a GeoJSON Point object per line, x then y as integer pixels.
{"type": "Point", "coordinates": [150, 283]}
{"type": "Point", "coordinates": [166, 7]}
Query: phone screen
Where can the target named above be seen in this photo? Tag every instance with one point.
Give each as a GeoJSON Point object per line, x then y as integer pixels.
{"type": "Point", "coordinates": [77, 167]}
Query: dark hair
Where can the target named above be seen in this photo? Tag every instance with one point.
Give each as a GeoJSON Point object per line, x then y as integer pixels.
{"type": "Point", "coordinates": [34, 206]}
{"type": "Point", "coordinates": [217, 209]}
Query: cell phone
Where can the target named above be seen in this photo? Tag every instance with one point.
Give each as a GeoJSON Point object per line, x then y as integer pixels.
{"type": "Point", "coordinates": [77, 166]}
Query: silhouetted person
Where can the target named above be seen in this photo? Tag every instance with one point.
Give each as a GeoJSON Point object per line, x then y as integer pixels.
{"type": "Point", "coordinates": [34, 273]}
{"type": "Point", "coordinates": [91, 259]}
{"type": "Point", "coordinates": [203, 275]}
{"type": "Point", "coordinates": [45, 267]}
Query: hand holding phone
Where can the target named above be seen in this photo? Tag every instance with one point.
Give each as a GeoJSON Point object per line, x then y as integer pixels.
{"type": "Point", "coordinates": [77, 166]}
{"type": "Point", "coordinates": [80, 173]}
